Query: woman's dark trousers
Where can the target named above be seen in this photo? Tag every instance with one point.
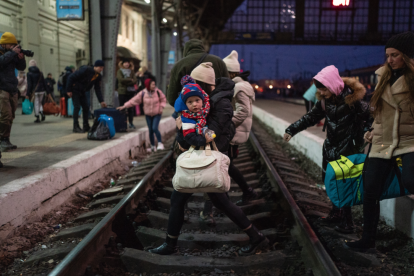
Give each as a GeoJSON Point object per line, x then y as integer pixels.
{"type": "Point", "coordinates": [220, 200]}
{"type": "Point", "coordinates": [377, 172]}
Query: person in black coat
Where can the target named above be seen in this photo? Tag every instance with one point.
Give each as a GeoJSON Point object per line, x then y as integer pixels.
{"type": "Point", "coordinates": [37, 89]}
{"type": "Point", "coordinates": [347, 119]}
{"type": "Point", "coordinates": [78, 83]}
{"type": "Point", "coordinates": [219, 120]}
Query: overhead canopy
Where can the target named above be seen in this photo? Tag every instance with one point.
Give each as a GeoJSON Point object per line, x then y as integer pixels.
{"type": "Point", "coordinates": [123, 52]}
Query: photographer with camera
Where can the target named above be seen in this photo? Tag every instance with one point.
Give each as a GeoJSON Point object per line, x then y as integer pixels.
{"type": "Point", "coordinates": [11, 58]}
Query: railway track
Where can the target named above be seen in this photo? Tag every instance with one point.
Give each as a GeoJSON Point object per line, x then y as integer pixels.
{"type": "Point", "coordinates": [114, 238]}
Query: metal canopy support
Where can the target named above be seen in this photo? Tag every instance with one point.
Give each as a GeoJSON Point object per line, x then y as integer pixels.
{"type": "Point", "coordinates": [161, 43]}
{"type": "Point", "coordinates": [110, 14]}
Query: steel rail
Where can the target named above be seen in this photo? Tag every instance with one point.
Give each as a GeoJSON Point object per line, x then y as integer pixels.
{"type": "Point", "coordinates": [93, 245]}
{"type": "Point", "coordinates": [314, 254]}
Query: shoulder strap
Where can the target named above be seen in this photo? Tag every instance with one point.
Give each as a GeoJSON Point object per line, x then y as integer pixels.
{"type": "Point", "coordinates": [199, 61]}
{"type": "Point", "coordinates": [324, 109]}
{"type": "Point", "coordinates": [142, 98]}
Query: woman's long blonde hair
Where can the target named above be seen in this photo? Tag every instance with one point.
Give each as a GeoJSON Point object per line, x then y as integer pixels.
{"type": "Point", "coordinates": [376, 102]}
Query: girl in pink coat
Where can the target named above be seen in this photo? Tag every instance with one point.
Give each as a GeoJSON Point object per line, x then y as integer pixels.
{"type": "Point", "coordinates": [154, 102]}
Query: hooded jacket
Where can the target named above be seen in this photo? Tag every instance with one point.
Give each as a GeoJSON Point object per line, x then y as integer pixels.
{"type": "Point", "coordinates": [83, 80]}
{"type": "Point", "coordinates": [35, 76]}
{"type": "Point", "coordinates": [348, 118]}
{"type": "Point", "coordinates": [153, 102]}
{"type": "Point", "coordinates": [9, 61]}
{"type": "Point", "coordinates": [393, 132]}
{"type": "Point", "coordinates": [243, 113]}
{"type": "Point", "coordinates": [193, 51]}
{"type": "Point", "coordinates": [219, 119]}
{"type": "Point", "coordinates": [124, 82]}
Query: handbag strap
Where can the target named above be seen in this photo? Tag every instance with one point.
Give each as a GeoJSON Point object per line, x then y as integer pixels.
{"type": "Point", "coordinates": [190, 151]}
{"type": "Point", "coordinates": [214, 146]}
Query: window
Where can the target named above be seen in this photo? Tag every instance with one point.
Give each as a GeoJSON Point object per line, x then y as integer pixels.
{"type": "Point", "coordinates": [133, 30]}
{"type": "Point", "coordinates": [120, 26]}
{"type": "Point", "coordinates": [126, 26]}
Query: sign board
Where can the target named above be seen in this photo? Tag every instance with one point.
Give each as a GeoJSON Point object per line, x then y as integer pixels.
{"type": "Point", "coordinates": [69, 9]}
{"type": "Point", "coordinates": [171, 57]}
{"type": "Point", "coordinates": [338, 3]}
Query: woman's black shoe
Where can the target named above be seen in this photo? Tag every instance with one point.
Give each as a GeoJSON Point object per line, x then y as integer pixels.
{"type": "Point", "coordinates": [86, 128]}
{"type": "Point", "coordinates": [77, 129]}
{"type": "Point", "coordinates": [167, 248]}
{"type": "Point", "coordinates": [361, 246]}
{"type": "Point", "coordinates": [43, 116]}
{"type": "Point", "coordinates": [37, 119]}
{"type": "Point", "coordinates": [253, 246]}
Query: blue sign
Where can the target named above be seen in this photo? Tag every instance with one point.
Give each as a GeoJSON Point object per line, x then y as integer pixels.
{"type": "Point", "coordinates": [171, 57]}
{"type": "Point", "coordinates": [69, 10]}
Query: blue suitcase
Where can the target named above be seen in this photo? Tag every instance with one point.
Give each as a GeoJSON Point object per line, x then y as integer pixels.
{"type": "Point", "coordinates": [119, 117]}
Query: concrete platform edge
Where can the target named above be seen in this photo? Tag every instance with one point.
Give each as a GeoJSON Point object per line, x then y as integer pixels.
{"type": "Point", "coordinates": [30, 197]}
{"type": "Point", "coordinates": [306, 142]}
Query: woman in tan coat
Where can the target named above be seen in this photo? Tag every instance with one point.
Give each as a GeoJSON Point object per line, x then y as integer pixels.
{"type": "Point", "coordinates": [393, 132]}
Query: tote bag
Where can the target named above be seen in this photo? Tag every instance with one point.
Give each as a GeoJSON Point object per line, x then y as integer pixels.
{"type": "Point", "coordinates": [202, 171]}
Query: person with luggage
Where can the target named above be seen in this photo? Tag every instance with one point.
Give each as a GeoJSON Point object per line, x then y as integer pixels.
{"type": "Point", "coordinates": [126, 80]}
{"type": "Point", "coordinates": [392, 135]}
{"type": "Point", "coordinates": [62, 82]}
{"type": "Point", "coordinates": [219, 120]}
{"type": "Point", "coordinates": [78, 83]}
{"type": "Point", "coordinates": [154, 103]}
{"type": "Point", "coordinates": [50, 81]}
{"type": "Point", "coordinates": [37, 89]}
{"type": "Point", "coordinates": [11, 59]}
{"type": "Point", "coordinates": [347, 118]}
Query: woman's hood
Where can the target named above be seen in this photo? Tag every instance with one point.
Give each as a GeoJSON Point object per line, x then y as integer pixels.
{"type": "Point", "coordinates": [330, 78]}
{"type": "Point", "coordinates": [131, 66]}
{"type": "Point", "coordinates": [244, 86]}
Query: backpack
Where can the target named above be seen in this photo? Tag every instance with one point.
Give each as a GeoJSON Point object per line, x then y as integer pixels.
{"type": "Point", "coordinates": [143, 93]}
{"type": "Point", "coordinates": [62, 78]}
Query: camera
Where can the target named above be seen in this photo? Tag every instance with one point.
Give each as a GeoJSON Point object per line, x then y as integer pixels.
{"type": "Point", "coordinates": [27, 53]}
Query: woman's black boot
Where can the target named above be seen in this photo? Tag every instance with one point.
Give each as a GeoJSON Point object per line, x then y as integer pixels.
{"type": "Point", "coordinates": [347, 225]}
{"type": "Point", "coordinates": [167, 248]}
{"type": "Point", "coordinates": [257, 241]}
{"type": "Point", "coordinates": [43, 116]}
{"type": "Point", "coordinates": [37, 119]}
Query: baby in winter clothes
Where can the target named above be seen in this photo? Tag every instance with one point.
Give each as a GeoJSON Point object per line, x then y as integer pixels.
{"type": "Point", "coordinates": [194, 105]}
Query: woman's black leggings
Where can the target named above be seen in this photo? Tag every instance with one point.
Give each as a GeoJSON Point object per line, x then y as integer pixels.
{"type": "Point", "coordinates": [220, 200]}
{"type": "Point", "coordinates": [376, 174]}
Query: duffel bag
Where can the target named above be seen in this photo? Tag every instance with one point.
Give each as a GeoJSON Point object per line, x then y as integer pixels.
{"type": "Point", "coordinates": [202, 171]}
{"type": "Point", "coordinates": [50, 107]}
{"type": "Point", "coordinates": [344, 181]}
{"type": "Point", "coordinates": [99, 131]}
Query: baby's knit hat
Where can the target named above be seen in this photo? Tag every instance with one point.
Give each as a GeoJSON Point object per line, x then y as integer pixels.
{"type": "Point", "coordinates": [190, 88]}
{"type": "Point", "coordinates": [232, 62]}
{"type": "Point", "coordinates": [205, 73]}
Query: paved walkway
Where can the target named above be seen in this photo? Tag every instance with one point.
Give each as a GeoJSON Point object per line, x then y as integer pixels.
{"type": "Point", "coordinates": [42, 145]}
{"type": "Point", "coordinates": [288, 112]}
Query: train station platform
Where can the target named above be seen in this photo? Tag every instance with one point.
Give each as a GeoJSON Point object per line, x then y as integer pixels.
{"type": "Point", "coordinates": [51, 163]}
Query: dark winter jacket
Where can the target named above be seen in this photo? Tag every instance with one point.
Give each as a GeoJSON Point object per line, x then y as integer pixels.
{"type": "Point", "coordinates": [348, 118]}
{"type": "Point", "coordinates": [66, 73]}
{"type": "Point", "coordinates": [219, 119]}
{"type": "Point", "coordinates": [35, 76]}
{"type": "Point", "coordinates": [83, 80]}
{"type": "Point", "coordinates": [9, 61]}
{"type": "Point", "coordinates": [193, 51]}
{"type": "Point", "coordinates": [50, 83]}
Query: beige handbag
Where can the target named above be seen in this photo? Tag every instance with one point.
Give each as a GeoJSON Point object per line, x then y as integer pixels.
{"type": "Point", "coordinates": [202, 171]}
